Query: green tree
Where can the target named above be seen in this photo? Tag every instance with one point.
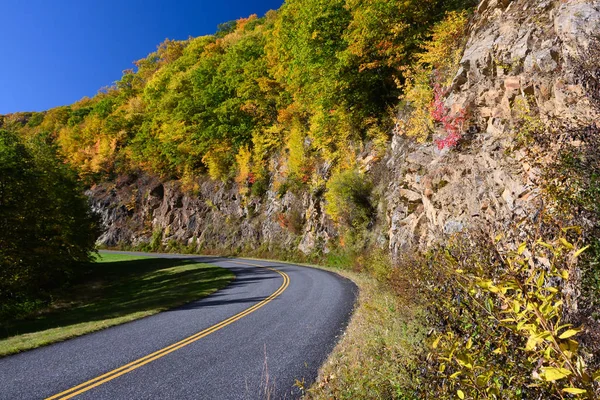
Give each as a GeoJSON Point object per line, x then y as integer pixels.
{"type": "Point", "coordinates": [46, 226]}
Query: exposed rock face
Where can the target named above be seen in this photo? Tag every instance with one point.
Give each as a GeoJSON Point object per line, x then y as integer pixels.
{"type": "Point", "coordinates": [520, 56]}
{"type": "Point", "coordinates": [216, 218]}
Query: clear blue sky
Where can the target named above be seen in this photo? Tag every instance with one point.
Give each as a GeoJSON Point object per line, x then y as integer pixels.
{"type": "Point", "coordinates": [54, 52]}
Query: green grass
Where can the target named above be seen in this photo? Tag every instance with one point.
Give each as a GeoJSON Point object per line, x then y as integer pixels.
{"type": "Point", "coordinates": [114, 290]}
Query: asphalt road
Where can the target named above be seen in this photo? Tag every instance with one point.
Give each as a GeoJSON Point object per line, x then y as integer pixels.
{"type": "Point", "coordinates": [251, 340]}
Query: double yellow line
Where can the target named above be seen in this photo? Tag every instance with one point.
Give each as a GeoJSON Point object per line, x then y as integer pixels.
{"type": "Point", "coordinates": [92, 383]}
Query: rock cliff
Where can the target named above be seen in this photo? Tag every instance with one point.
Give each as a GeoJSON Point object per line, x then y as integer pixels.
{"type": "Point", "coordinates": [520, 75]}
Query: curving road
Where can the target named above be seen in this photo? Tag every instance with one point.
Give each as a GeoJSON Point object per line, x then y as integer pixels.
{"type": "Point", "coordinates": [273, 325]}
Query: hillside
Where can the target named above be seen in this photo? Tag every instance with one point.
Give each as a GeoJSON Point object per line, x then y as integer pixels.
{"type": "Point", "coordinates": [447, 148]}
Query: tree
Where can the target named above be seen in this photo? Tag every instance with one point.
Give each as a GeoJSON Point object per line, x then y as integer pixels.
{"type": "Point", "coordinates": [46, 226]}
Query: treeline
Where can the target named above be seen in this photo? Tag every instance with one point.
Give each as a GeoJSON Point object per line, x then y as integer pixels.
{"type": "Point", "coordinates": [46, 226]}
{"type": "Point", "coordinates": [313, 82]}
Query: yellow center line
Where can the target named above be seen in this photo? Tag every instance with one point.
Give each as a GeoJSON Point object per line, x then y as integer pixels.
{"type": "Point", "coordinates": [92, 383]}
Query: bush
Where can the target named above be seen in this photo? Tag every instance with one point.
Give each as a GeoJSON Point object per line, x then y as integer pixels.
{"type": "Point", "coordinates": [501, 317]}
{"type": "Point", "coordinates": [348, 199]}
{"type": "Point", "coordinates": [428, 78]}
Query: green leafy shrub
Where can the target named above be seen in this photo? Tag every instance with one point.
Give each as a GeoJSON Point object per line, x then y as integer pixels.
{"type": "Point", "coordinates": [156, 240]}
{"type": "Point", "coordinates": [501, 314]}
{"type": "Point", "coordinates": [349, 200]}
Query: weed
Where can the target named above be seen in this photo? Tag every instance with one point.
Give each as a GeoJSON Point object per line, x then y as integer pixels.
{"type": "Point", "coordinates": [379, 351]}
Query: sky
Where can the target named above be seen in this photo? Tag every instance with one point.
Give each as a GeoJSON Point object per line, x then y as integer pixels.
{"type": "Point", "coordinates": [54, 52]}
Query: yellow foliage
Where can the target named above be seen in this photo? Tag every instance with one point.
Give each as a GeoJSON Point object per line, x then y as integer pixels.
{"type": "Point", "coordinates": [104, 150]}
{"type": "Point", "coordinates": [242, 160]}
{"type": "Point", "coordinates": [89, 145]}
{"type": "Point", "coordinates": [218, 161]}
{"type": "Point", "coordinates": [524, 305]}
{"type": "Point", "coordinates": [348, 198]}
{"type": "Point", "coordinates": [242, 22]}
{"type": "Point", "coordinates": [442, 55]}
{"type": "Point", "coordinates": [348, 157]}
{"type": "Point", "coordinates": [296, 150]}
{"type": "Point", "coordinates": [83, 102]}
{"type": "Point", "coordinates": [170, 50]}
{"type": "Point", "coordinates": [264, 144]}
{"type": "Point", "coordinates": [79, 148]}
{"type": "Point", "coordinates": [91, 127]}
{"type": "Point", "coordinates": [266, 141]}
{"type": "Point", "coordinates": [444, 51]}
{"type": "Point", "coordinates": [418, 96]}
{"type": "Point", "coordinates": [331, 132]}
{"type": "Point", "coordinates": [528, 122]}
{"type": "Point", "coordinates": [172, 132]}
{"type": "Point", "coordinates": [134, 106]}
{"type": "Point", "coordinates": [65, 139]}
{"type": "Point", "coordinates": [54, 118]}
{"type": "Point", "coordinates": [188, 180]}
{"type": "Point", "coordinates": [197, 44]}
{"type": "Point", "coordinates": [378, 135]}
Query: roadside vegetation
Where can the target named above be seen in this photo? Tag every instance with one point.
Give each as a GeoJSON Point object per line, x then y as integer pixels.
{"type": "Point", "coordinates": [47, 230]}
{"type": "Point", "coordinates": [379, 353]}
{"type": "Point", "coordinates": [470, 319]}
{"type": "Point", "coordinates": [113, 290]}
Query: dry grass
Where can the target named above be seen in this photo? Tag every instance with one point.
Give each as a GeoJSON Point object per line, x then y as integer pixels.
{"type": "Point", "coordinates": [378, 351]}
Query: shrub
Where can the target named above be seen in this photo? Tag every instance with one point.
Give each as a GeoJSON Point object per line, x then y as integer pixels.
{"type": "Point", "coordinates": [424, 89]}
{"type": "Point", "coordinates": [452, 124]}
{"type": "Point", "coordinates": [259, 182]}
{"type": "Point", "coordinates": [416, 100]}
{"type": "Point", "coordinates": [502, 328]}
{"type": "Point", "coordinates": [242, 159]}
{"type": "Point", "coordinates": [348, 199]}
{"type": "Point", "coordinates": [571, 181]}
{"type": "Point", "coordinates": [156, 240]}
{"type": "Point", "coordinates": [298, 163]}
{"type": "Point", "coordinates": [219, 162]}
{"type": "Point", "coordinates": [292, 221]}
{"type": "Point", "coordinates": [526, 121]}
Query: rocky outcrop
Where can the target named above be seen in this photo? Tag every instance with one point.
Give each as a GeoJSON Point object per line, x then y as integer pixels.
{"type": "Point", "coordinates": [519, 74]}
{"type": "Point", "coordinates": [212, 218]}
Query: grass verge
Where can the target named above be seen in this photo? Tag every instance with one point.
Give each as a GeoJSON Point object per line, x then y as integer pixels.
{"type": "Point", "coordinates": [114, 290]}
{"type": "Point", "coordinates": [378, 354]}
{"type": "Point", "coordinates": [375, 357]}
